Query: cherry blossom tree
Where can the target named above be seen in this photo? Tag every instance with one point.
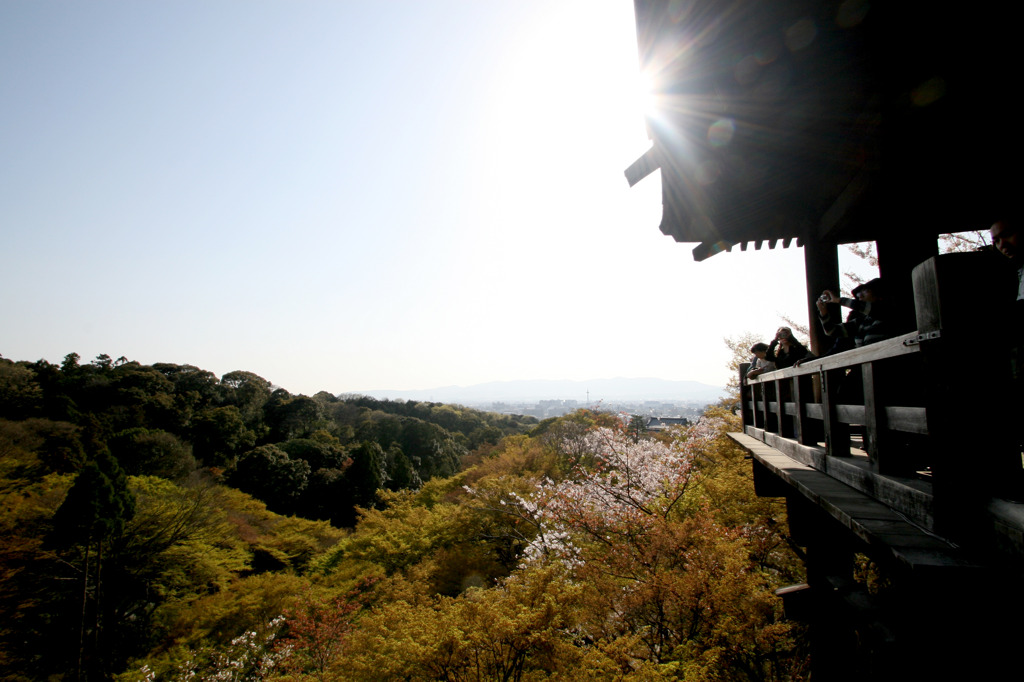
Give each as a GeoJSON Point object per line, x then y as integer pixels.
{"type": "Point", "coordinates": [633, 522]}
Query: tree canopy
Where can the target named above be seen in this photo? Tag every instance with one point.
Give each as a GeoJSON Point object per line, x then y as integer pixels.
{"type": "Point", "coordinates": [160, 523]}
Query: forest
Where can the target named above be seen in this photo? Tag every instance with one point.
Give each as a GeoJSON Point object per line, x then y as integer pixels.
{"type": "Point", "coordinates": [161, 523]}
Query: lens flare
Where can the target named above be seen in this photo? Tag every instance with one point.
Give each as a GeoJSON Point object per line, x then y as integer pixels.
{"type": "Point", "coordinates": [801, 34]}
{"type": "Point", "coordinates": [721, 131]}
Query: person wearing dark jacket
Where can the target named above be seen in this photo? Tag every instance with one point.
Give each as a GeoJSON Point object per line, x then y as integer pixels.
{"type": "Point", "coordinates": [784, 350]}
{"type": "Point", "coordinates": [1005, 237]}
{"type": "Point", "coordinates": [866, 322]}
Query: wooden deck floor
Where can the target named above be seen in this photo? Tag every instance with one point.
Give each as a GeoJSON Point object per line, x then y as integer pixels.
{"type": "Point", "coordinates": [882, 529]}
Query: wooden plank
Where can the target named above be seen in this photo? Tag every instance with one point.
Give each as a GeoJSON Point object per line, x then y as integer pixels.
{"type": "Point", "coordinates": [907, 419]}
{"type": "Point", "coordinates": [890, 348]}
{"type": "Point", "coordinates": [910, 497]}
{"type": "Point", "coordinates": [850, 414]}
{"type": "Point", "coordinates": [648, 162]}
{"type": "Point", "coordinates": [813, 455]}
{"type": "Point", "coordinates": [879, 527]}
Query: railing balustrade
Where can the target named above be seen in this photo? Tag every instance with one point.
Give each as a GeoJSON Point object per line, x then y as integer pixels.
{"type": "Point", "coordinates": [894, 419]}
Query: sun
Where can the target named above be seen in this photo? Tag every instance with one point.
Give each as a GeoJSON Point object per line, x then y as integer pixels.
{"type": "Point", "coordinates": [644, 93]}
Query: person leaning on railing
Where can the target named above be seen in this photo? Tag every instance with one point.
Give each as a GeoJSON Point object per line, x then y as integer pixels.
{"type": "Point", "coordinates": [760, 364]}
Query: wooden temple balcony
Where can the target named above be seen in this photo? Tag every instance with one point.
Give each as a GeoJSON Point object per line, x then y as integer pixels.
{"type": "Point", "coordinates": [907, 452]}
{"type": "Point", "coordinates": [859, 122]}
{"type": "Point", "coordinates": [898, 421]}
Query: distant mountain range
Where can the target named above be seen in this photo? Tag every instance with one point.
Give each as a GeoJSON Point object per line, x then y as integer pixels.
{"type": "Point", "coordinates": [606, 390]}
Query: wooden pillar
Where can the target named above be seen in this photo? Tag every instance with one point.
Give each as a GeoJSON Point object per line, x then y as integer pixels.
{"type": "Point", "coordinates": [963, 301]}
{"type": "Point", "coordinates": [829, 562]}
{"type": "Point", "coordinates": [821, 264]}
{"type": "Point", "coordinates": [897, 258]}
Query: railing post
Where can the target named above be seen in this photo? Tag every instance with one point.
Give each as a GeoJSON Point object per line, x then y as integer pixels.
{"type": "Point", "coordinates": [874, 421]}
{"type": "Point", "coordinates": [837, 434]}
{"type": "Point", "coordinates": [805, 430]}
{"type": "Point", "coordinates": [746, 395]}
{"type": "Point", "coordinates": [771, 421]}
{"type": "Point", "coordinates": [782, 392]}
{"type": "Point", "coordinates": [757, 396]}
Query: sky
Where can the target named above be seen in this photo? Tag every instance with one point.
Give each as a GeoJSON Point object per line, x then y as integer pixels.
{"type": "Point", "coordinates": [352, 196]}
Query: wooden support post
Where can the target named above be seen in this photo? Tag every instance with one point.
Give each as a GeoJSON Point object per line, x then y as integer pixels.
{"type": "Point", "coordinates": [829, 561]}
{"type": "Point", "coordinates": [837, 434]}
{"type": "Point", "coordinates": [757, 398]}
{"type": "Point", "coordinates": [807, 431]}
{"type": "Point", "coordinates": [874, 419]}
{"type": "Point", "coordinates": [771, 420]}
{"type": "Point", "coordinates": [782, 395]}
{"type": "Point", "coordinates": [746, 396]}
{"type": "Point", "coordinates": [821, 262]}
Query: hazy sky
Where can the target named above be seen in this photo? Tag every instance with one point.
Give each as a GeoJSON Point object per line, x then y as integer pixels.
{"type": "Point", "coordinates": [348, 196]}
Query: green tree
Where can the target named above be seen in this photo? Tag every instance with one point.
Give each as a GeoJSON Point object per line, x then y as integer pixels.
{"type": "Point", "coordinates": [218, 434]}
{"type": "Point", "coordinates": [248, 392]}
{"type": "Point", "coordinates": [145, 452]}
{"type": "Point", "coordinates": [94, 512]}
{"type": "Point", "coordinates": [363, 479]}
{"type": "Point", "coordinates": [21, 396]}
{"type": "Point", "coordinates": [268, 473]}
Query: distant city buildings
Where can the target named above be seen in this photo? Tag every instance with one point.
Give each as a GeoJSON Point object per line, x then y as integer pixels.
{"type": "Point", "coordinates": [659, 413]}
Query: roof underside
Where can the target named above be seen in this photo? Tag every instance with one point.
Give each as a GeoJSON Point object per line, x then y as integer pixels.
{"type": "Point", "coordinates": [825, 120]}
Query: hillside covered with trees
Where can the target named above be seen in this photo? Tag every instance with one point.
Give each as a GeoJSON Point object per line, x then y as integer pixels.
{"type": "Point", "coordinates": [161, 523]}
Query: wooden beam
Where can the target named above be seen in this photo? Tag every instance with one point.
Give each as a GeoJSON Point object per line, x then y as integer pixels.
{"type": "Point", "coordinates": [649, 162]}
{"type": "Point", "coordinates": [837, 214]}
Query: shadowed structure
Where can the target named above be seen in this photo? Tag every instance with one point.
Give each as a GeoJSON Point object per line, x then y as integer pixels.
{"type": "Point", "coordinates": [822, 123]}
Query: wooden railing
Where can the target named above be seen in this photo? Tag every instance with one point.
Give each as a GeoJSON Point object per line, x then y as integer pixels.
{"type": "Point", "coordinates": [808, 412]}
{"type": "Point", "coordinates": [899, 420]}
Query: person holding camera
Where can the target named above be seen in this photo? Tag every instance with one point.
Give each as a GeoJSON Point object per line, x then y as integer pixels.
{"type": "Point", "coordinates": [865, 323]}
{"type": "Point", "coordinates": [785, 350]}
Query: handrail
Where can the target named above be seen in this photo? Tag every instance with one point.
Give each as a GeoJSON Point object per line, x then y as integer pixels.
{"type": "Point", "coordinates": [883, 350]}
{"type": "Point", "coordinates": [906, 403]}
{"type": "Point", "coordinates": [797, 408]}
